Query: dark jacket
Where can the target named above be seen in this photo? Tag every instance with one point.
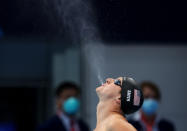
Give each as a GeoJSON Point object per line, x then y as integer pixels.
{"type": "Point", "coordinates": [55, 124]}
{"type": "Point", "coordinates": [162, 125]}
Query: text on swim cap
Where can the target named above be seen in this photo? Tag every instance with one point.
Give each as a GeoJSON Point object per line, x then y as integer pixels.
{"type": "Point", "coordinates": [128, 95]}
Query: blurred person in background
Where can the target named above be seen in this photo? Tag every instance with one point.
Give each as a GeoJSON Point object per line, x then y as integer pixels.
{"type": "Point", "coordinates": [67, 106]}
{"type": "Point", "coordinates": [147, 119]}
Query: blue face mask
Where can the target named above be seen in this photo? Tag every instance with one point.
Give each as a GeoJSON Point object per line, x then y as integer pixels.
{"type": "Point", "coordinates": [150, 106]}
{"type": "Point", "coordinates": [71, 106]}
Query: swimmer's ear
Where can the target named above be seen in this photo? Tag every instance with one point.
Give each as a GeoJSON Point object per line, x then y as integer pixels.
{"type": "Point", "coordinates": [118, 100]}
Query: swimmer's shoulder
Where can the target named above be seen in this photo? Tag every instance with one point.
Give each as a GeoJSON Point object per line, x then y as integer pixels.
{"type": "Point", "coordinates": [117, 123]}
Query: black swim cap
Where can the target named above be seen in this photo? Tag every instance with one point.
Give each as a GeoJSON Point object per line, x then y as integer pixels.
{"type": "Point", "coordinates": [131, 95]}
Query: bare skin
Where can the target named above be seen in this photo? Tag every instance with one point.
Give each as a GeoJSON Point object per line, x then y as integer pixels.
{"type": "Point", "coordinates": [109, 114]}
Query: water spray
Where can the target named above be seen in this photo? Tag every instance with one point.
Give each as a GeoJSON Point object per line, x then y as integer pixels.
{"type": "Point", "coordinates": [78, 20]}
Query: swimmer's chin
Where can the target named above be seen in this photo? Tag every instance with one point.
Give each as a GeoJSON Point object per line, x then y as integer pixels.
{"type": "Point", "coordinates": [98, 89]}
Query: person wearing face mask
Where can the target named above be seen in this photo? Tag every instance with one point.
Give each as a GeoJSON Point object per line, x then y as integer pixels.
{"type": "Point", "coordinates": [147, 118]}
{"type": "Point", "coordinates": [67, 107]}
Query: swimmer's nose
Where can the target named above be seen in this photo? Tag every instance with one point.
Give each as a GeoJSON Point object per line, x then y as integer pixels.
{"type": "Point", "coordinates": [109, 80]}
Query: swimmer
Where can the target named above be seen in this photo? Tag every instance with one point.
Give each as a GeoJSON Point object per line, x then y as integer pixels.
{"type": "Point", "coordinates": [110, 112]}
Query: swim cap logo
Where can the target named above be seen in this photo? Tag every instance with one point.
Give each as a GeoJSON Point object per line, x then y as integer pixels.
{"type": "Point", "coordinates": [128, 95]}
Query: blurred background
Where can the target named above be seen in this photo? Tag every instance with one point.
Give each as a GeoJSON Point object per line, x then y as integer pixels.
{"type": "Point", "coordinates": [42, 43]}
